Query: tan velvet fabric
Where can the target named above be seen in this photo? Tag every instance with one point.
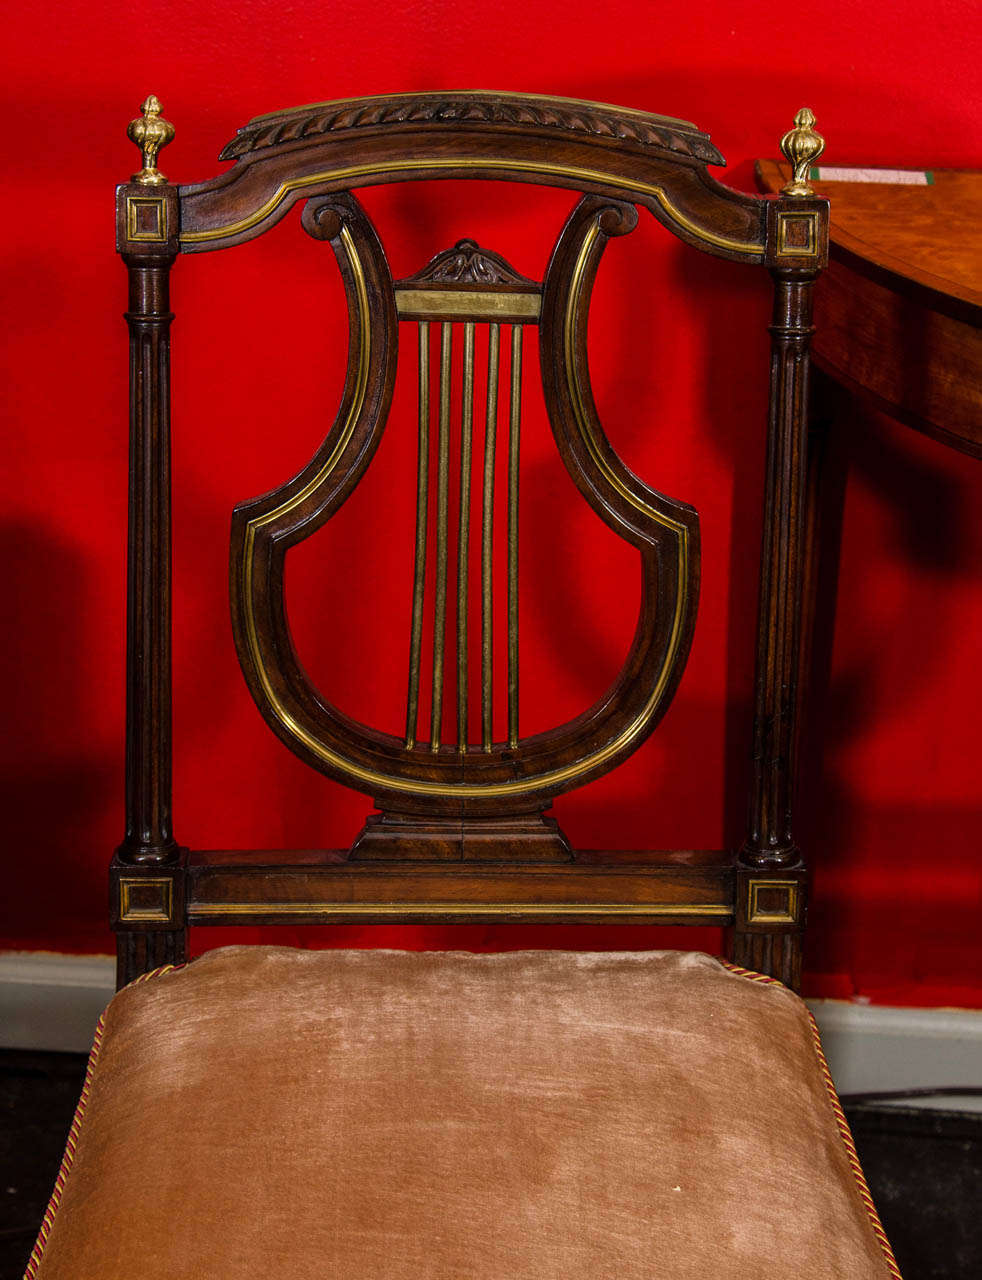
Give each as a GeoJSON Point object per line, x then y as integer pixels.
{"type": "Point", "coordinates": [443, 1116]}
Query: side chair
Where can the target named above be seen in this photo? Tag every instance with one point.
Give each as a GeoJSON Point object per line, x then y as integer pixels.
{"type": "Point", "coordinates": [537, 1115]}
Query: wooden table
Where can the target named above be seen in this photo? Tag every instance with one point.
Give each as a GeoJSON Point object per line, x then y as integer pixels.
{"type": "Point", "coordinates": [899, 311]}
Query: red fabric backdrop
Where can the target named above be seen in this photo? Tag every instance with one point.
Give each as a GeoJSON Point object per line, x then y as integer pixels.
{"type": "Point", "coordinates": [891, 808]}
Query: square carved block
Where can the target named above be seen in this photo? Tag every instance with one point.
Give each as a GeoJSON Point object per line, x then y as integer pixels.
{"type": "Point", "coordinates": [146, 899]}
{"type": "Point", "coordinates": [772, 901]}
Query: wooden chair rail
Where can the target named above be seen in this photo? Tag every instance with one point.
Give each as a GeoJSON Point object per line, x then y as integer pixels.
{"type": "Point", "coordinates": [704, 887]}
{"type": "Point", "coordinates": [379, 892]}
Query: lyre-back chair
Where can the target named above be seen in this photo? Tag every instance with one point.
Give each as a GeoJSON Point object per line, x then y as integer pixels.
{"type": "Point", "coordinates": [369, 1114]}
{"type": "Point", "coordinates": [471, 809]}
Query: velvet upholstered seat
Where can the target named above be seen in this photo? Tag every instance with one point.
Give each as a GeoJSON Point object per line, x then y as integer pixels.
{"type": "Point", "coordinates": [443, 1116]}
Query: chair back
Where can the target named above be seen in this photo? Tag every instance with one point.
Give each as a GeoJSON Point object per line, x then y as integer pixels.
{"type": "Point", "coordinates": [465, 783]}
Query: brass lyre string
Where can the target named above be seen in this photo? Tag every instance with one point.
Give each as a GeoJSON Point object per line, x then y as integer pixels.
{"type": "Point", "coordinates": [463, 532]}
{"type": "Point", "coordinates": [442, 503]}
{"type": "Point", "coordinates": [514, 418]}
{"type": "Point", "coordinates": [487, 539]}
{"type": "Point", "coordinates": [422, 513]}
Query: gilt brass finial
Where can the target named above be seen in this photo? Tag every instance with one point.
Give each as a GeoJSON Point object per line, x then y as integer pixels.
{"type": "Point", "coordinates": [801, 147]}
{"type": "Point", "coordinates": [151, 133]}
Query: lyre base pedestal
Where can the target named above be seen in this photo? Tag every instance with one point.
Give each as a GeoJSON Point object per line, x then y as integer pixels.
{"type": "Point", "coordinates": [526, 837]}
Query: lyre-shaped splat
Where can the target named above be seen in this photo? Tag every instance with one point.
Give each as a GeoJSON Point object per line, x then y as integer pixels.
{"type": "Point", "coordinates": [469, 797]}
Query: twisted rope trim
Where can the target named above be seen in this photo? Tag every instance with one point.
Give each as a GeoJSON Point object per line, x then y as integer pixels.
{"type": "Point", "coordinates": [845, 1133]}
{"type": "Point", "coordinates": [71, 1146]}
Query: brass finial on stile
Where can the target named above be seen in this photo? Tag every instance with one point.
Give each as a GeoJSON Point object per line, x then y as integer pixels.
{"type": "Point", "coordinates": [151, 133]}
{"type": "Point", "coordinates": [801, 147]}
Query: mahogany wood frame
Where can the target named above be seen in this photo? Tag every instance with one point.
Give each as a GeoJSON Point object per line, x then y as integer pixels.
{"type": "Point", "coordinates": [462, 835]}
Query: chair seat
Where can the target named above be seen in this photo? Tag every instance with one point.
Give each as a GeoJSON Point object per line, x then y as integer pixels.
{"type": "Point", "coordinates": [382, 1115]}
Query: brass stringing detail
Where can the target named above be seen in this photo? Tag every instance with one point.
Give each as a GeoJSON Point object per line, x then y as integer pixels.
{"type": "Point", "coordinates": [158, 913]}
{"type": "Point", "coordinates": [787, 224]}
{"type": "Point", "coordinates": [351, 174]}
{"type": "Point", "coordinates": [801, 147]}
{"type": "Point", "coordinates": [487, 539]}
{"type": "Point", "coordinates": [422, 526]}
{"type": "Point", "coordinates": [151, 133]}
{"type": "Point", "coordinates": [356, 909]}
{"type": "Point", "coordinates": [759, 915]}
{"type": "Point", "coordinates": [593, 444]}
{"type": "Point", "coordinates": [157, 234]}
{"type": "Point", "coordinates": [442, 533]}
{"type": "Point", "coordinates": [514, 478]}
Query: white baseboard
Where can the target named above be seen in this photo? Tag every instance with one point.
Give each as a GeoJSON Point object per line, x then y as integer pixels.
{"type": "Point", "coordinates": [52, 1002]}
{"type": "Point", "coordinates": [882, 1048]}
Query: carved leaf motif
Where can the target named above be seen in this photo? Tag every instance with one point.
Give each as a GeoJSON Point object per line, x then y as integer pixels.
{"type": "Point", "coordinates": [649, 132]}
{"type": "Point", "coordinates": [468, 263]}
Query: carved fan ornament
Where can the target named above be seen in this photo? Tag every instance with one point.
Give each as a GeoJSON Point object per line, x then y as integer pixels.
{"type": "Point", "coordinates": [468, 263]}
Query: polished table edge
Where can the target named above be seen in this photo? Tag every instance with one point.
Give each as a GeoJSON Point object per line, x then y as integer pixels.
{"type": "Point", "coordinates": [947, 296]}
{"type": "Point", "coordinates": [947, 316]}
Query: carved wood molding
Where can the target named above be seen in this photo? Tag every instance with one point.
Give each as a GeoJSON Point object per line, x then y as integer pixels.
{"type": "Point", "coordinates": [678, 138]}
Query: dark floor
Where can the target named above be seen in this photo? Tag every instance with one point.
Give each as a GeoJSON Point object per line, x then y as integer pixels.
{"type": "Point", "coordinates": [38, 1093]}
{"type": "Point", "coordinates": [924, 1168]}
